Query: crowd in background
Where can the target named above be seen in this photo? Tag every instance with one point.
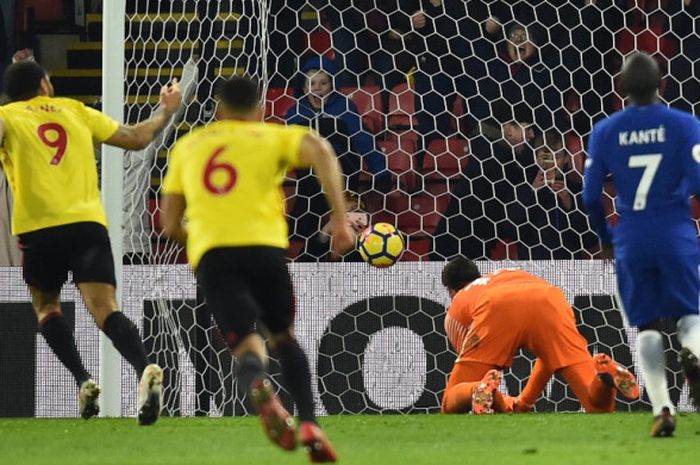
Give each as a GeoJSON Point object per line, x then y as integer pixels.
{"type": "Point", "coordinates": [463, 122]}
{"type": "Point", "coordinates": [521, 83]}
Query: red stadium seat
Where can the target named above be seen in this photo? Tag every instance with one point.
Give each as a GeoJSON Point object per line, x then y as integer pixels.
{"type": "Point", "coordinates": [402, 107]}
{"type": "Point", "coordinates": [446, 158]}
{"type": "Point", "coordinates": [42, 10]}
{"type": "Point", "coordinates": [278, 101]}
{"type": "Point", "coordinates": [424, 213]}
{"type": "Point", "coordinates": [504, 249]}
{"type": "Point", "coordinates": [369, 103]}
{"type": "Point", "coordinates": [417, 249]}
{"type": "Point", "coordinates": [399, 162]}
{"type": "Point", "coordinates": [320, 42]}
{"type": "Point", "coordinates": [653, 41]}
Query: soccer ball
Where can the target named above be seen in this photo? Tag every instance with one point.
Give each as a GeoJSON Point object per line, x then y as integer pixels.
{"type": "Point", "coordinates": [381, 245]}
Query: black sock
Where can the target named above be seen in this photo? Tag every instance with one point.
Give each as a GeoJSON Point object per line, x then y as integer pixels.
{"type": "Point", "coordinates": [126, 340]}
{"type": "Point", "coordinates": [250, 368]}
{"type": "Point", "coordinates": [59, 336]}
{"type": "Point", "coordinates": [295, 369]}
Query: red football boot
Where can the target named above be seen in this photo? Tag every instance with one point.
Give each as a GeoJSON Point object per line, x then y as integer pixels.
{"type": "Point", "coordinates": [319, 447]}
{"type": "Point", "coordinates": [277, 423]}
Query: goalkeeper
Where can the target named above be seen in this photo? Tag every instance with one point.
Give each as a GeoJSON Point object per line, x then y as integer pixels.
{"type": "Point", "coordinates": [493, 316]}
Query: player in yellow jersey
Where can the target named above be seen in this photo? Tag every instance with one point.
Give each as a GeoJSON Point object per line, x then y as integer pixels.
{"type": "Point", "coordinates": [48, 157]}
{"type": "Point", "coordinates": [226, 178]}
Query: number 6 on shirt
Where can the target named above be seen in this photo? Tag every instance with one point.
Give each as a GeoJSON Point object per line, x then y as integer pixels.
{"type": "Point", "coordinates": [59, 142]}
{"type": "Point", "coordinates": [212, 167]}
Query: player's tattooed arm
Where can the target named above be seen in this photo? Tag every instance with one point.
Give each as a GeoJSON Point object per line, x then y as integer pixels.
{"type": "Point", "coordinates": [138, 136]}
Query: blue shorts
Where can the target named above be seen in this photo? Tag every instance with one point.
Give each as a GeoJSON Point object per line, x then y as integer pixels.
{"type": "Point", "coordinates": [658, 287]}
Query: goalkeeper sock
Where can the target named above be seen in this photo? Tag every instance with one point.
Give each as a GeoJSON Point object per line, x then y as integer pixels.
{"type": "Point", "coordinates": [653, 363]}
{"type": "Point", "coordinates": [689, 333]}
{"type": "Point", "coordinates": [250, 369]}
{"type": "Point", "coordinates": [295, 369]}
{"type": "Point", "coordinates": [126, 340]}
{"type": "Point", "coordinates": [59, 337]}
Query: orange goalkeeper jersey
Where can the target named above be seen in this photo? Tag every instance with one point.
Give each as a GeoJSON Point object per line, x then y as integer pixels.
{"type": "Point", "coordinates": [496, 315]}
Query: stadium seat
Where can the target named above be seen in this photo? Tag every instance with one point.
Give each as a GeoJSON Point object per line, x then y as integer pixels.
{"type": "Point", "coordinates": [402, 107]}
{"type": "Point", "coordinates": [369, 103]}
{"type": "Point", "coordinates": [445, 158]}
{"type": "Point", "coordinates": [407, 140]}
{"type": "Point", "coordinates": [424, 213]}
{"type": "Point", "coordinates": [654, 40]}
{"type": "Point", "coordinates": [320, 42]}
{"type": "Point", "coordinates": [278, 101]}
{"type": "Point", "coordinates": [505, 249]}
{"type": "Point", "coordinates": [399, 162]}
{"type": "Point", "coordinates": [41, 10]}
{"type": "Point", "coordinates": [417, 249]}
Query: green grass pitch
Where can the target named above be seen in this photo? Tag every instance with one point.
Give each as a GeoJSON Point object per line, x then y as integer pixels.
{"type": "Point", "coordinates": [538, 439]}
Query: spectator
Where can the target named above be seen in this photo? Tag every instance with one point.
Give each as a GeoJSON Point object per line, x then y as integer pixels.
{"type": "Point", "coordinates": [430, 30]}
{"type": "Point", "coordinates": [7, 34]}
{"type": "Point", "coordinates": [319, 246]}
{"type": "Point", "coordinates": [347, 26]}
{"type": "Point", "coordinates": [520, 73]}
{"type": "Point", "coordinates": [390, 59]}
{"type": "Point", "coordinates": [491, 199]}
{"type": "Point", "coordinates": [336, 118]}
{"type": "Point", "coordinates": [562, 227]}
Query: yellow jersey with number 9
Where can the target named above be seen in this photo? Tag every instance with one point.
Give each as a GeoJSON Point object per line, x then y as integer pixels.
{"type": "Point", "coordinates": [231, 173]}
{"type": "Point", "coordinates": [49, 161]}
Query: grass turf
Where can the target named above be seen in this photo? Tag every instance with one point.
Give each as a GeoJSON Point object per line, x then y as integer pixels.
{"type": "Point", "coordinates": [540, 439]}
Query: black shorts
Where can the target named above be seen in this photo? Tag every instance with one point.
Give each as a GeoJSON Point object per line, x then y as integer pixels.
{"type": "Point", "coordinates": [245, 284]}
{"type": "Point", "coordinates": [50, 253]}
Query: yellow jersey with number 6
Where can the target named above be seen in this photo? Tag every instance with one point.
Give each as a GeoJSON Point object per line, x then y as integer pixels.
{"type": "Point", "coordinates": [49, 161]}
{"type": "Point", "coordinates": [231, 173]}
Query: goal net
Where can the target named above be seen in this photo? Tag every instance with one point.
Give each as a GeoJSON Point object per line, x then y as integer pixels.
{"type": "Point", "coordinates": [463, 123]}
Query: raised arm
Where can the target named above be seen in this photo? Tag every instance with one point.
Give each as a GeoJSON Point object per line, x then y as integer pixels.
{"type": "Point", "coordinates": [320, 155]}
{"type": "Point", "coordinates": [138, 136]}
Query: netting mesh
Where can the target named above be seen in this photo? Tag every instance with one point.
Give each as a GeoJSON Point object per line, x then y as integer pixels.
{"type": "Point", "coordinates": [463, 123]}
{"type": "Point", "coordinates": [374, 339]}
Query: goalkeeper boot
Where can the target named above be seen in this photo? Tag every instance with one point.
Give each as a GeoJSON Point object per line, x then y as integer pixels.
{"type": "Point", "coordinates": [89, 392]}
{"type": "Point", "coordinates": [664, 424]}
{"type": "Point", "coordinates": [277, 423]}
{"type": "Point", "coordinates": [482, 397]}
{"type": "Point", "coordinates": [318, 445]}
{"type": "Point", "coordinates": [691, 369]}
{"type": "Point", "coordinates": [615, 375]}
{"type": "Point", "coordinates": [150, 394]}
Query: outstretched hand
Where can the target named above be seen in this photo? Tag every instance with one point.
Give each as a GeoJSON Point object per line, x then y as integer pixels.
{"type": "Point", "coordinates": [342, 237]}
{"type": "Point", "coordinates": [170, 97]}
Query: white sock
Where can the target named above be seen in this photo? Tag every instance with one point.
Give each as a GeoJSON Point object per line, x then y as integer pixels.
{"type": "Point", "coordinates": [689, 333]}
{"type": "Point", "coordinates": [653, 364]}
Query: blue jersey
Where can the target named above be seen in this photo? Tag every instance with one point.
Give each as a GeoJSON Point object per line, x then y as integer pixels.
{"type": "Point", "coordinates": [653, 155]}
